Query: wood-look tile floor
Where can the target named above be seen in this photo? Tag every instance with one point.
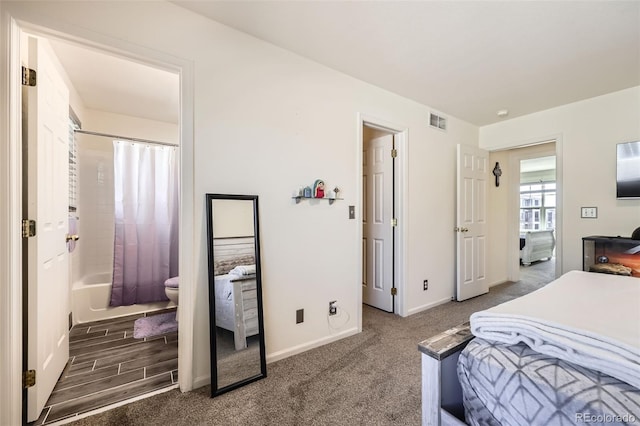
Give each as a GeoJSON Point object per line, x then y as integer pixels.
{"type": "Point", "coordinates": [107, 365]}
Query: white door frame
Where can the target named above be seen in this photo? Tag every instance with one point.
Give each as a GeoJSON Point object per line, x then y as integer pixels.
{"type": "Point", "coordinates": [513, 233]}
{"type": "Point", "coordinates": [11, 258]}
{"type": "Point", "coordinates": [401, 137]}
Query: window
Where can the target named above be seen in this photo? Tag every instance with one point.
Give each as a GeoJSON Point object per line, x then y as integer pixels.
{"type": "Point", "coordinates": [538, 206]}
{"type": "Point", "coordinates": [74, 124]}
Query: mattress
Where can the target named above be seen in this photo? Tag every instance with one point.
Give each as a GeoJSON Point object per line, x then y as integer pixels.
{"type": "Point", "coordinates": [513, 385]}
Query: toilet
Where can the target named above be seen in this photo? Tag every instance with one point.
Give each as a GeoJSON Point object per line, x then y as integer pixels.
{"type": "Point", "coordinates": [171, 290]}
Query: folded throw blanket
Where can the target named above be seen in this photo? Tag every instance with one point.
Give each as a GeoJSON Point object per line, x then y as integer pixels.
{"type": "Point", "coordinates": [243, 270]}
{"type": "Point", "coordinates": [589, 319]}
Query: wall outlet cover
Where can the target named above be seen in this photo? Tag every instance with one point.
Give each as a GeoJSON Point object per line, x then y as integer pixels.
{"type": "Point", "coordinates": [589, 212]}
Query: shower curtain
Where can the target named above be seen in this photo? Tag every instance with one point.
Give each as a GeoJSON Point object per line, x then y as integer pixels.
{"type": "Point", "coordinates": [146, 222]}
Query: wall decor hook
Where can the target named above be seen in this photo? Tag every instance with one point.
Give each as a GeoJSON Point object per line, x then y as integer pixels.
{"type": "Point", "coordinates": [497, 172]}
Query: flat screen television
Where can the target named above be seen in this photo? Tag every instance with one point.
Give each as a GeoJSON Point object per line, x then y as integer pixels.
{"type": "Point", "coordinates": [628, 170]}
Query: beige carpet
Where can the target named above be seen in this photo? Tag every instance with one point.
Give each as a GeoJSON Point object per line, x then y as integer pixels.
{"type": "Point", "coordinates": [372, 378]}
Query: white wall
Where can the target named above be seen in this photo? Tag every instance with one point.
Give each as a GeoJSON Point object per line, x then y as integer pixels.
{"type": "Point", "coordinates": [589, 131]}
{"type": "Point", "coordinates": [232, 218]}
{"type": "Point", "coordinates": [267, 122]}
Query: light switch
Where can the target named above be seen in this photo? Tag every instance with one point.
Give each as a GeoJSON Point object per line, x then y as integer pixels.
{"type": "Point", "coordinates": [352, 212]}
{"type": "Point", "coordinates": [589, 212]}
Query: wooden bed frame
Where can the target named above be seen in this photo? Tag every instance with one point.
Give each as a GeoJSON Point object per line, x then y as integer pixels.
{"type": "Point", "coordinates": [242, 320]}
{"type": "Point", "coordinates": [441, 391]}
{"type": "Point", "coordinates": [240, 314]}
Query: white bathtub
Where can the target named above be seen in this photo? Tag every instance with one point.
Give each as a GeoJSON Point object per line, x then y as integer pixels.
{"type": "Point", "coordinates": [90, 300]}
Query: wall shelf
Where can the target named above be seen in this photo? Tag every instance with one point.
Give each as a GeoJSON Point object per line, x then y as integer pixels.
{"type": "Point", "coordinates": [299, 198]}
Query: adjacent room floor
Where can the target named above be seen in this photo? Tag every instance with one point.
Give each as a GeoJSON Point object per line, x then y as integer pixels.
{"type": "Point", "coordinates": [108, 365]}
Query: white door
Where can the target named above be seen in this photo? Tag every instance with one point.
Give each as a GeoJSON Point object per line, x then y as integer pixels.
{"type": "Point", "coordinates": [47, 118]}
{"type": "Point", "coordinates": [377, 229]}
{"type": "Point", "coordinates": [471, 222]}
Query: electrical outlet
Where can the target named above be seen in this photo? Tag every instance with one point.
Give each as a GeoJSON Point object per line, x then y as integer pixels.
{"type": "Point", "coordinates": [333, 309]}
{"type": "Point", "coordinates": [589, 212]}
{"type": "Point", "coordinates": [425, 285]}
{"type": "Point", "coordinates": [299, 316]}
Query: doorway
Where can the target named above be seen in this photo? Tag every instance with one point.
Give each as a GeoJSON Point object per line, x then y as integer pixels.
{"type": "Point", "coordinates": [383, 150]}
{"type": "Point", "coordinates": [97, 111]}
{"type": "Point", "coordinates": [535, 205]}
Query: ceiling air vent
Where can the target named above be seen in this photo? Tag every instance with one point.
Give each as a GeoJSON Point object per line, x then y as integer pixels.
{"type": "Point", "coordinates": [437, 121]}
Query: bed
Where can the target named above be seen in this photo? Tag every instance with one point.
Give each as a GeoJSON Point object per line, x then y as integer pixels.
{"type": "Point", "coordinates": [236, 298]}
{"type": "Point", "coordinates": [237, 306]}
{"type": "Point", "coordinates": [536, 245]}
{"type": "Point", "coordinates": [568, 353]}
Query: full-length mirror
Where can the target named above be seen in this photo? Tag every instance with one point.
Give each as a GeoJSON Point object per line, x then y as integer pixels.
{"type": "Point", "coordinates": [235, 292]}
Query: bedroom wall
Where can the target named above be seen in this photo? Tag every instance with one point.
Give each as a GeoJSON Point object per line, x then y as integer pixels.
{"type": "Point", "coordinates": [588, 131]}
{"type": "Point", "coordinates": [266, 122]}
{"type": "Point", "coordinates": [233, 219]}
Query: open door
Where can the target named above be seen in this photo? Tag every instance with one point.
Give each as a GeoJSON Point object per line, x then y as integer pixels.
{"type": "Point", "coordinates": [471, 222]}
{"type": "Point", "coordinates": [377, 223]}
{"type": "Point", "coordinates": [45, 141]}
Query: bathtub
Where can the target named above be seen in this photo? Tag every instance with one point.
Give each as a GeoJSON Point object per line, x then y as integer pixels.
{"type": "Point", "coordinates": [90, 300]}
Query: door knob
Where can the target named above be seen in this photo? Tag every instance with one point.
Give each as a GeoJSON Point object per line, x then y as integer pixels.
{"type": "Point", "coordinates": [71, 238]}
{"type": "Point", "coordinates": [464, 230]}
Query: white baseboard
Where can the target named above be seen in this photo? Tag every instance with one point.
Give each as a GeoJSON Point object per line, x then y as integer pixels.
{"type": "Point", "coordinates": [429, 306]}
{"type": "Point", "coordinates": [286, 353]}
{"type": "Point", "coordinates": [498, 283]}
{"type": "Point", "coordinates": [201, 381]}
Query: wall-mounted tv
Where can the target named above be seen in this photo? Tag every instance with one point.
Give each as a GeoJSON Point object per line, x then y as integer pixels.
{"type": "Point", "coordinates": [628, 170]}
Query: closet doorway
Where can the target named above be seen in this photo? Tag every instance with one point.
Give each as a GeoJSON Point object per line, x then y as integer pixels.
{"type": "Point", "coordinates": [383, 221]}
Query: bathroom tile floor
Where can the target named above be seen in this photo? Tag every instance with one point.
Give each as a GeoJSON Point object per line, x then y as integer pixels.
{"type": "Point", "coordinates": [107, 365]}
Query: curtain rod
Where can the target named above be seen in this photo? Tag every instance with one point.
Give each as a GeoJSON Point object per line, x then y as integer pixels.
{"type": "Point", "coordinates": [126, 138]}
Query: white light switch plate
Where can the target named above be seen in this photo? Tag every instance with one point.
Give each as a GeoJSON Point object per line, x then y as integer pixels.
{"type": "Point", "coordinates": [589, 212]}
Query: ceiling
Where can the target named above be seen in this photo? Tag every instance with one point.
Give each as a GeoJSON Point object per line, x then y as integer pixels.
{"type": "Point", "coordinates": [110, 83]}
{"type": "Point", "coordinates": [468, 59]}
{"type": "Point", "coordinates": [463, 59]}
{"type": "Point", "coordinates": [538, 164]}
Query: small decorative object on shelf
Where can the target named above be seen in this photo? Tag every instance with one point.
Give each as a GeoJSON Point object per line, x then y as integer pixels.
{"type": "Point", "coordinates": [317, 190]}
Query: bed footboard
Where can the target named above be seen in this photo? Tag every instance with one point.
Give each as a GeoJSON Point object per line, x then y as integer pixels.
{"type": "Point", "coordinates": [441, 391]}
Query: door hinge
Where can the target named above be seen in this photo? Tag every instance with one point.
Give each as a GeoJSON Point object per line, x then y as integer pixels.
{"type": "Point", "coordinates": [28, 77]}
{"type": "Point", "coordinates": [28, 378]}
{"type": "Point", "coordinates": [394, 291]}
{"type": "Point", "coordinates": [394, 153]}
{"type": "Point", "coordinates": [394, 222]}
{"type": "Point", "coordinates": [28, 228]}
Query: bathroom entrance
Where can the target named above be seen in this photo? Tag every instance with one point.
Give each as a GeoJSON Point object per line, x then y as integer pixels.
{"type": "Point", "coordinates": [102, 353]}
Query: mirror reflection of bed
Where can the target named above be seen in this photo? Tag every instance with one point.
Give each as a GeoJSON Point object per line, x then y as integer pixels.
{"type": "Point", "coordinates": [237, 343]}
{"type": "Point", "coordinates": [236, 304]}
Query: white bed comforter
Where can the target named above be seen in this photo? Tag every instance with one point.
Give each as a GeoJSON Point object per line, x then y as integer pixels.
{"type": "Point", "coordinates": [589, 319]}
